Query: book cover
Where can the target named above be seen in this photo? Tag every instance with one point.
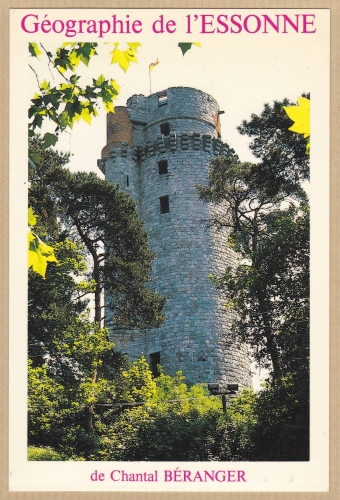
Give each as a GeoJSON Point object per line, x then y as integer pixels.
{"type": "Point", "coordinates": [176, 334]}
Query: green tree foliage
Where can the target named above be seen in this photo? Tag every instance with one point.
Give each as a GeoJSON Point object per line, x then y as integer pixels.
{"type": "Point", "coordinates": [265, 212]}
{"type": "Point", "coordinates": [103, 222]}
{"type": "Point", "coordinates": [135, 417]}
{"type": "Point", "coordinates": [42, 167]}
{"type": "Point", "coordinates": [67, 102]}
{"type": "Point", "coordinates": [281, 432]}
{"type": "Point", "coordinates": [234, 432]}
{"type": "Point", "coordinates": [91, 219]}
{"type": "Point", "coordinates": [174, 423]}
{"type": "Point", "coordinates": [64, 392]}
{"type": "Point", "coordinates": [46, 403]}
{"type": "Point", "coordinates": [136, 383]}
{"type": "Point", "coordinates": [55, 302]}
{"type": "Point", "coordinates": [270, 425]}
{"type": "Point", "coordinates": [36, 453]}
{"type": "Point", "coordinates": [283, 161]}
{"type": "Point", "coordinates": [269, 289]}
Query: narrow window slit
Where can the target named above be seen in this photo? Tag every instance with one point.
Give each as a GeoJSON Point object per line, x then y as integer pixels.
{"type": "Point", "coordinates": [165, 129]}
{"type": "Point", "coordinates": [163, 167]}
{"type": "Point", "coordinates": [164, 204]}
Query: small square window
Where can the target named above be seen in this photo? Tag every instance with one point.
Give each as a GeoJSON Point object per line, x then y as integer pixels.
{"type": "Point", "coordinates": [162, 99]}
{"type": "Point", "coordinates": [163, 167]}
{"type": "Point", "coordinates": [164, 204]}
{"type": "Point", "coordinates": [165, 129]}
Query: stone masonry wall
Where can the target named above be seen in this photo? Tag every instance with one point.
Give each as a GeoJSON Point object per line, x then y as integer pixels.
{"type": "Point", "coordinates": [119, 129]}
{"type": "Point", "coordinates": [193, 338]}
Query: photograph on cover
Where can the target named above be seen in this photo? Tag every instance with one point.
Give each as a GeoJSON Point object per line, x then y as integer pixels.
{"type": "Point", "coordinates": [170, 331]}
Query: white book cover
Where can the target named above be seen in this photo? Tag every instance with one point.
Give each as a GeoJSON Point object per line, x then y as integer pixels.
{"type": "Point", "coordinates": [200, 115]}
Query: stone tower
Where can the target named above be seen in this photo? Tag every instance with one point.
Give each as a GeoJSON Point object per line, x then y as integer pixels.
{"type": "Point", "coordinates": [158, 148]}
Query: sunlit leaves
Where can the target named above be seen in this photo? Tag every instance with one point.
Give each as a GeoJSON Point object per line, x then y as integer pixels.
{"type": "Point", "coordinates": [39, 253]}
{"type": "Point", "coordinates": [107, 91]}
{"type": "Point", "coordinates": [34, 50]}
{"type": "Point", "coordinates": [124, 58]}
{"type": "Point", "coordinates": [170, 421]}
{"type": "Point", "coordinates": [32, 218]}
{"type": "Point", "coordinates": [300, 115]}
{"type": "Point", "coordinates": [70, 101]}
{"type": "Point", "coordinates": [185, 46]}
{"type": "Point", "coordinates": [70, 54]}
{"type": "Point", "coordinates": [85, 115]}
{"type": "Point", "coordinates": [120, 57]}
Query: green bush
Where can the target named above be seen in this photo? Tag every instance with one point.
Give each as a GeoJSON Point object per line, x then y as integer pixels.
{"type": "Point", "coordinates": [46, 454]}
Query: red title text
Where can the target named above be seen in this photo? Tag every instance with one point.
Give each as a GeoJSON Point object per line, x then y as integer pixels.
{"type": "Point", "coordinates": [196, 24]}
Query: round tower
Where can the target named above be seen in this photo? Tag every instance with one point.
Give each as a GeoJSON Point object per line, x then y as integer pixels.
{"type": "Point", "coordinates": [175, 134]}
{"type": "Point", "coordinates": [118, 161]}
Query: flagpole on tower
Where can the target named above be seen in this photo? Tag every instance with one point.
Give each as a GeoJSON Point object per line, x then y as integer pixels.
{"type": "Point", "coordinates": [151, 67]}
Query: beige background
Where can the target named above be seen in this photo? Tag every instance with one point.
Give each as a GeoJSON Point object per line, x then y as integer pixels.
{"type": "Point", "coordinates": [334, 460]}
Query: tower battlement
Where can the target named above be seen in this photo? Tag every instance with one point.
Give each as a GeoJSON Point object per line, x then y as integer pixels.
{"type": "Point", "coordinates": [162, 144]}
{"type": "Point", "coordinates": [158, 149]}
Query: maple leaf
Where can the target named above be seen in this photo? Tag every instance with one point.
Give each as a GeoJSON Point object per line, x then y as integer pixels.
{"type": "Point", "coordinates": [39, 253]}
{"type": "Point", "coordinates": [125, 58]}
{"type": "Point", "coordinates": [118, 56]}
{"type": "Point", "coordinates": [300, 115]}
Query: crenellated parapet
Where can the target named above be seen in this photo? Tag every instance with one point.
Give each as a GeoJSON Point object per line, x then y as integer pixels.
{"type": "Point", "coordinates": [169, 144]}
{"type": "Point", "coordinates": [121, 150]}
{"type": "Point", "coordinates": [138, 110]}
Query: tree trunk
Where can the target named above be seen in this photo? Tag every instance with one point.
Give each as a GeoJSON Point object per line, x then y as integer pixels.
{"type": "Point", "coordinates": [273, 356]}
{"type": "Point", "coordinates": [97, 294]}
{"type": "Point", "coordinates": [89, 418]}
{"type": "Point", "coordinates": [271, 347]}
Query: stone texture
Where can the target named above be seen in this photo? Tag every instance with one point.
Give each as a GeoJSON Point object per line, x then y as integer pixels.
{"type": "Point", "coordinates": [195, 336]}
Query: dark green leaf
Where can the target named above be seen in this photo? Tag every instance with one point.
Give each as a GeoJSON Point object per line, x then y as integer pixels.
{"type": "Point", "coordinates": [184, 47]}
{"type": "Point", "coordinates": [49, 140]}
